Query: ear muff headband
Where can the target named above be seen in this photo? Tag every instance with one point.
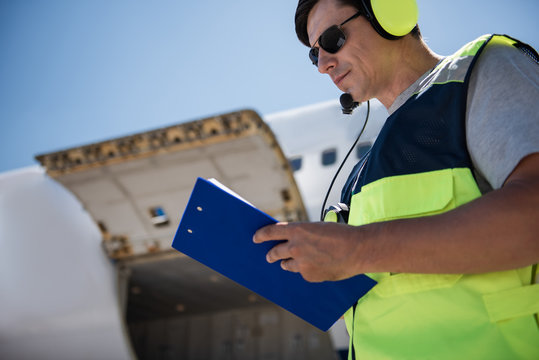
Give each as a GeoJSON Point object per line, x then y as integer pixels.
{"type": "Point", "coordinates": [392, 18]}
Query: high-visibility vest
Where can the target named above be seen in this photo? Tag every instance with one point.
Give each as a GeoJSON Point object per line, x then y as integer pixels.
{"type": "Point", "coordinates": [420, 166]}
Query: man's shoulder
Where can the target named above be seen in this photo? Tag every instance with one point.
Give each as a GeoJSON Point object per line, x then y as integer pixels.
{"type": "Point", "coordinates": [501, 65]}
{"type": "Point", "coordinates": [498, 55]}
{"type": "Point", "coordinates": [503, 86]}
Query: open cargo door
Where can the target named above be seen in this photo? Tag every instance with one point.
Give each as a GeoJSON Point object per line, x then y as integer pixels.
{"type": "Point", "coordinates": [136, 188]}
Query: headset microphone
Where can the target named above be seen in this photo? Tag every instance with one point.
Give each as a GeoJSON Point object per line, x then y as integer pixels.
{"type": "Point", "coordinates": [348, 104]}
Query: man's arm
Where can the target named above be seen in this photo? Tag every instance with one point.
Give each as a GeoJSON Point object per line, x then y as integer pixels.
{"type": "Point", "coordinates": [495, 232]}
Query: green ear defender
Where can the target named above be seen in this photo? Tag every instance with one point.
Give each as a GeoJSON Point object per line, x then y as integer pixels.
{"type": "Point", "coordinates": [392, 19]}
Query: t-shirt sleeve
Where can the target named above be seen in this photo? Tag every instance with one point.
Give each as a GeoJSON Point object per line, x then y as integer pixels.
{"type": "Point", "coordinates": [502, 119]}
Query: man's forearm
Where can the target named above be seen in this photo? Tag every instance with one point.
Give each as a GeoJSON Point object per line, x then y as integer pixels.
{"type": "Point", "coordinates": [498, 231]}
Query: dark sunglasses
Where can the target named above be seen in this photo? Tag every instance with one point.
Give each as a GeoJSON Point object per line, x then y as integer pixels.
{"type": "Point", "coordinates": [331, 40]}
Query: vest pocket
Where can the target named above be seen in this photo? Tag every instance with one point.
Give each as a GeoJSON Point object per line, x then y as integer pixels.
{"type": "Point", "coordinates": [403, 196]}
{"type": "Point", "coordinates": [512, 303]}
{"type": "Point", "coordinates": [402, 284]}
{"type": "Point", "coordinates": [412, 195]}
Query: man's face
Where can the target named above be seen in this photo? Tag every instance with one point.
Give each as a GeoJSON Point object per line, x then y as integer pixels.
{"type": "Point", "coordinates": [360, 66]}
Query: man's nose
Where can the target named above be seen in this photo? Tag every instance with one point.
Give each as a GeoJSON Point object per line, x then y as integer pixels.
{"type": "Point", "coordinates": [326, 61]}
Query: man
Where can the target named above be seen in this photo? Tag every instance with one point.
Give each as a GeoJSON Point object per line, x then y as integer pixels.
{"type": "Point", "coordinates": [455, 270]}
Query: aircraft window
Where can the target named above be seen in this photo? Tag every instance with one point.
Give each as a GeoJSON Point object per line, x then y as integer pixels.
{"type": "Point", "coordinates": [295, 163]}
{"type": "Point", "coordinates": [159, 217]}
{"type": "Point", "coordinates": [362, 149]}
{"type": "Point", "coordinates": [329, 157]}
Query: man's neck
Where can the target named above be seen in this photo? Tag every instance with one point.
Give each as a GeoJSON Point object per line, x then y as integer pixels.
{"type": "Point", "coordinates": [413, 58]}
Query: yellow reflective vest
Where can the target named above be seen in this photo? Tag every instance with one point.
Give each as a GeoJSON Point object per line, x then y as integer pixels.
{"type": "Point", "coordinates": [420, 166]}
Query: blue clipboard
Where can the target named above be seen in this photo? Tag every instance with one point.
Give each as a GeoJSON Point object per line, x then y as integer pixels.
{"type": "Point", "coordinates": [217, 229]}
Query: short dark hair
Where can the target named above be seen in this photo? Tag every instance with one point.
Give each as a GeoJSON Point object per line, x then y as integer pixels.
{"type": "Point", "coordinates": [305, 7]}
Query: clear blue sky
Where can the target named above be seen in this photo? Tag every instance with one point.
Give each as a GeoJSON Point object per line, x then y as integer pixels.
{"type": "Point", "coordinates": [73, 72]}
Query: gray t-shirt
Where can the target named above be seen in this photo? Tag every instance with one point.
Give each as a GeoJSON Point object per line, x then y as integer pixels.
{"type": "Point", "coordinates": [502, 117]}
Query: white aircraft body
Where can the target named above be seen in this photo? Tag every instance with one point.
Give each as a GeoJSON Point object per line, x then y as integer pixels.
{"type": "Point", "coordinates": [86, 268]}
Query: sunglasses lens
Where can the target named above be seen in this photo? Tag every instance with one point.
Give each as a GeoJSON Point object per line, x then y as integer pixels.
{"type": "Point", "coordinates": [332, 39]}
{"type": "Point", "coordinates": [313, 55]}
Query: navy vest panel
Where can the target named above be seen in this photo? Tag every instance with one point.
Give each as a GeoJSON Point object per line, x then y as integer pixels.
{"type": "Point", "coordinates": [426, 133]}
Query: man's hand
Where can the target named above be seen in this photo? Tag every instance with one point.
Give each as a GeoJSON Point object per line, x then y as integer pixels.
{"type": "Point", "coordinates": [318, 251]}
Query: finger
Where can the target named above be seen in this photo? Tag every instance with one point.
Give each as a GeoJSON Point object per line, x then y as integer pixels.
{"type": "Point", "coordinates": [289, 265]}
{"type": "Point", "coordinates": [278, 252]}
{"type": "Point", "coordinates": [271, 232]}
